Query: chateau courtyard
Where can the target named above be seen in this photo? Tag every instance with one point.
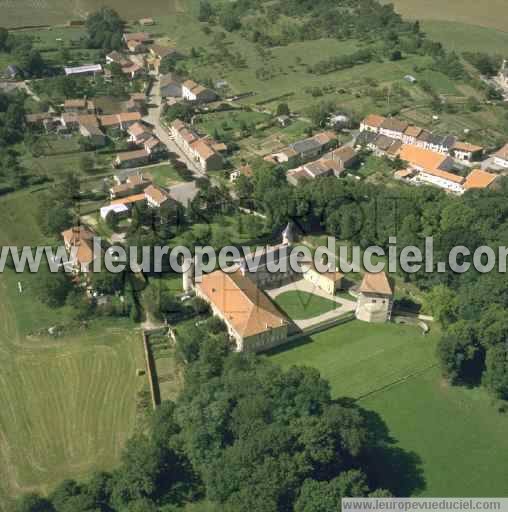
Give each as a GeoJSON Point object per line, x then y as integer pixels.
{"type": "Point", "coordinates": [308, 305]}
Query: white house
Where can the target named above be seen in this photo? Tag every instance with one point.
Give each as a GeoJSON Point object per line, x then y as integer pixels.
{"type": "Point", "coordinates": [393, 128]}
{"type": "Point", "coordinates": [372, 123]}
{"type": "Point", "coordinates": [117, 209]}
{"type": "Point", "coordinates": [500, 157]}
{"type": "Point", "coordinates": [89, 69]}
{"type": "Point", "coordinates": [155, 197]}
{"type": "Point", "coordinates": [191, 91]}
{"type": "Point", "coordinates": [432, 168]}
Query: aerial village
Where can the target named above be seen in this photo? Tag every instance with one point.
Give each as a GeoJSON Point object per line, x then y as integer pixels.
{"type": "Point", "coordinates": [418, 157]}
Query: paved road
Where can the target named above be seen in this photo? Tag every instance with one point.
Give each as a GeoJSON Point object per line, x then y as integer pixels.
{"type": "Point", "coordinates": [153, 117]}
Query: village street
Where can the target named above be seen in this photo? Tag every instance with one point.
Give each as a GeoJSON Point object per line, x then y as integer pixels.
{"type": "Point", "coordinates": [153, 117]}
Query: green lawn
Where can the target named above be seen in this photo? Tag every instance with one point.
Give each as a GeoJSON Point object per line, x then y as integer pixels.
{"type": "Point", "coordinates": [229, 122]}
{"type": "Point", "coordinates": [19, 213]}
{"type": "Point", "coordinates": [445, 441]}
{"type": "Point", "coordinates": [68, 403]}
{"type": "Point", "coordinates": [358, 358]}
{"type": "Point", "coordinates": [167, 375]}
{"type": "Point", "coordinates": [164, 175]}
{"type": "Point", "coordinates": [439, 82]}
{"type": "Point", "coordinates": [456, 432]}
{"type": "Point", "coordinates": [300, 305]}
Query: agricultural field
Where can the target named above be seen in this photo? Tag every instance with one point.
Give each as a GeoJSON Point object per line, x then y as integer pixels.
{"type": "Point", "coordinates": [300, 305]}
{"type": "Point", "coordinates": [491, 14]}
{"type": "Point", "coordinates": [393, 372]}
{"type": "Point", "coordinates": [53, 12]}
{"type": "Point", "coordinates": [69, 402]}
{"type": "Point", "coordinates": [462, 37]}
{"type": "Point", "coordinates": [285, 67]}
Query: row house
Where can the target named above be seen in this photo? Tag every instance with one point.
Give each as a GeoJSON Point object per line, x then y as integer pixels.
{"type": "Point", "coordinates": [132, 185]}
{"type": "Point", "coordinates": [432, 168]}
{"type": "Point", "coordinates": [202, 150]}
{"type": "Point", "coordinates": [154, 147]}
{"type": "Point", "coordinates": [132, 159]}
{"type": "Point", "coordinates": [303, 150]}
{"type": "Point", "coordinates": [408, 134]}
{"type": "Point", "coordinates": [383, 145]}
{"type": "Point", "coordinates": [411, 134]}
{"type": "Point", "coordinates": [372, 123]}
{"type": "Point", "coordinates": [319, 169]}
{"type": "Point", "coordinates": [467, 152]}
{"type": "Point", "coordinates": [393, 128]}
{"type": "Point", "coordinates": [437, 143]}
{"type": "Point", "coordinates": [93, 134]}
{"type": "Point", "coordinates": [79, 106]}
{"type": "Point", "coordinates": [191, 91]}
{"type": "Point", "coordinates": [138, 133]}
{"type": "Point", "coordinates": [120, 121]}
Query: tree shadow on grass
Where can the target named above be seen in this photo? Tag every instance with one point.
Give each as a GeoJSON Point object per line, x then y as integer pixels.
{"type": "Point", "coordinates": [389, 466]}
{"type": "Point", "coordinates": [303, 340]}
{"type": "Point", "coordinates": [392, 467]}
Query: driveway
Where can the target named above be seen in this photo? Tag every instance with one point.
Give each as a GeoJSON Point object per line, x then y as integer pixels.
{"type": "Point", "coordinates": [303, 285]}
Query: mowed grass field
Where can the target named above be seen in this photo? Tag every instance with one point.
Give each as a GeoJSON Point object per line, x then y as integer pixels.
{"type": "Point", "coordinates": [359, 358]}
{"type": "Point", "coordinates": [456, 432]}
{"type": "Point", "coordinates": [68, 403]}
{"type": "Point", "coordinates": [445, 441]}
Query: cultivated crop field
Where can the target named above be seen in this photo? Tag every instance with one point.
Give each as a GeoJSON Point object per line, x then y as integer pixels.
{"type": "Point", "coordinates": [19, 13]}
{"type": "Point", "coordinates": [462, 37]}
{"type": "Point", "coordinates": [490, 13]}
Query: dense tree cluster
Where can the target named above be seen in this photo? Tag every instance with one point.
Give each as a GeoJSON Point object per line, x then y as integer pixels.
{"type": "Point", "coordinates": [105, 29]}
{"type": "Point", "coordinates": [57, 205]}
{"type": "Point", "coordinates": [12, 131]}
{"type": "Point", "coordinates": [268, 25]}
{"type": "Point", "coordinates": [243, 434]}
{"type": "Point", "coordinates": [341, 62]}
{"type": "Point", "coordinates": [27, 58]}
{"type": "Point", "coordinates": [486, 64]}
{"type": "Point", "coordinates": [470, 305]}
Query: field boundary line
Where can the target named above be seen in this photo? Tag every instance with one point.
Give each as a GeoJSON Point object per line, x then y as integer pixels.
{"type": "Point", "coordinates": [395, 382]}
